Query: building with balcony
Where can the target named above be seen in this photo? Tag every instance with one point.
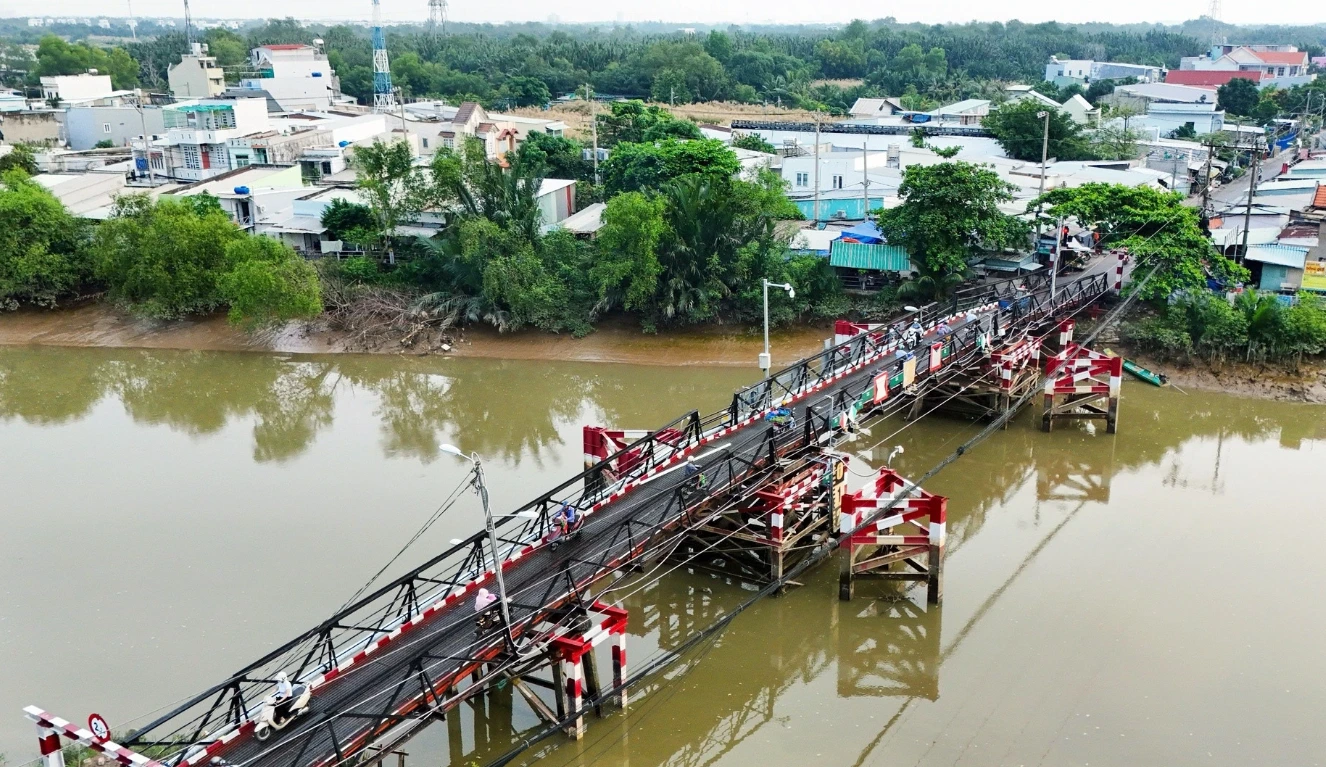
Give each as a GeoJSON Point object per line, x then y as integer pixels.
{"type": "Point", "coordinates": [197, 76]}
{"type": "Point", "coordinates": [195, 146]}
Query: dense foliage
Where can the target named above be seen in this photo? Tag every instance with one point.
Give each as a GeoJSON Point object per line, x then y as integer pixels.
{"type": "Point", "coordinates": [173, 257]}
{"type": "Point", "coordinates": [42, 255]}
{"type": "Point", "coordinates": [950, 213]}
{"type": "Point", "coordinates": [1161, 232]}
{"type": "Point", "coordinates": [1255, 327]}
{"type": "Point", "coordinates": [1021, 132]}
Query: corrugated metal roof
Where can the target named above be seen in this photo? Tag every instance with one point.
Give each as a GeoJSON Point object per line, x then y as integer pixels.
{"type": "Point", "coordinates": [879, 258]}
{"type": "Point", "coordinates": [1281, 255]}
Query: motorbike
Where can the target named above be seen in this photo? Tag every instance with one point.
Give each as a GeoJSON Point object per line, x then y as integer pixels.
{"type": "Point", "coordinates": [556, 537]}
{"type": "Point", "coordinates": [276, 714]}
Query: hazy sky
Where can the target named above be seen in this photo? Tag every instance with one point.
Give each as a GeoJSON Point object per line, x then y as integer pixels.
{"type": "Point", "coordinates": [700, 11]}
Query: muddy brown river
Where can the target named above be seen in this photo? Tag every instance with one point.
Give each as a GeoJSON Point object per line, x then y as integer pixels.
{"type": "Point", "coordinates": [1154, 597]}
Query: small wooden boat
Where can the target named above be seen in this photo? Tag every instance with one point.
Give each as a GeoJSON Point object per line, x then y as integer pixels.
{"type": "Point", "coordinates": [1139, 372]}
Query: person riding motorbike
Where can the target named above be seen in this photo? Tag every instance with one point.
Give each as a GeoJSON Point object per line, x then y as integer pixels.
{"type": "Point", "coordinates": [694, 476]}
{"type": "Point", "coordinates": [284, 690]}
{"type": "Point", "coordinates": [911, 338]}
{"type": "Point", "coordinates": [565, 519]}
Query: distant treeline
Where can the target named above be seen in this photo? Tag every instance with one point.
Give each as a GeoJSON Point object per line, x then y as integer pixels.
{"type": "Point", "coordinates": [529, 64]}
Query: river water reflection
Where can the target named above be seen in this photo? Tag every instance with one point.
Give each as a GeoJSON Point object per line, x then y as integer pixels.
{"type": "Point", "coordinates": [1152, 597]}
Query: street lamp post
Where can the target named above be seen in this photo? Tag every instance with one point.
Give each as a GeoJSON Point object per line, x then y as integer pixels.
{"type": "Point", "coordinates": [482, 489]}
{"type": "Point", "coordinates": [1045, 155]}
{"type": "Point", "coordinates": [766, 360]}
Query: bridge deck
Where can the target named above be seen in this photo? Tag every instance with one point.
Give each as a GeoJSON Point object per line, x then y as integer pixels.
{"type": "Point", "coordinates": [447, 643]}
{"type": "Point", "coordinates": [402, 669]}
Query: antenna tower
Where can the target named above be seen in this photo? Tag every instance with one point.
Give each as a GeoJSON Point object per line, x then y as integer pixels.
{"type": "Point", "coordinates": [1214, 15]}
{"type": "Point", "coordinates": [188, 26]}
{"type": "Point", "coordinates": [437, 17]}
{"type": "Point", "coordinates": [384, 99]}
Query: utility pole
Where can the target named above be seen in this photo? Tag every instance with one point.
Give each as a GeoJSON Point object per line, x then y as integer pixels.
{"type": "Point", "coordinates": [1045, 154]}
{"type": "Point", "coordinates": [865, 179]}
{"type": "Point", "coordinates": [1057, 255]}
{"type": "Point", "coordinates": [1206, 180]}
{"type": "Point", "coordinates": [816, 215]}
{"type": "Point", "coordinates": [594, 129]}
{"type": "Point", "coordinates": [1254, 170]}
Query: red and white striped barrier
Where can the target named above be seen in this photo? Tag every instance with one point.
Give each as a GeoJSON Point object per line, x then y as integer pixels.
{"type": "Point", "coordinates": [925, 513]}
{"type": "Point", "coordinates": [50, 728]}
{"type": "Point", "coordinates": [571, 650]}
{"type": "Point", "coordinates": [1015, 358]}
{"type": "Point", "coordinates": [1079, 370]}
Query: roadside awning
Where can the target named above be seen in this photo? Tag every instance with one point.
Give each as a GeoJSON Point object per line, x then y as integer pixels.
{"type": "Point", "coordinates": [865, 232]}
{"type": "Point", "coordinates": [1280, 255]}
{"type": "Point", "coordinates": [879, 258]}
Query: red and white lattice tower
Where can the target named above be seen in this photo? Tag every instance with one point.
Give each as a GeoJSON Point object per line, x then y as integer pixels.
{"type": "Point", "coordinates": [1081, 383]}
{"type": "Point", "coordinates": [573, 665]}
{"type": "Point", "coordinates": [912, 533]}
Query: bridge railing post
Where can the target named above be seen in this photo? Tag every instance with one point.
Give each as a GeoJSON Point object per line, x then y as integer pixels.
{"type": "Point", "coordinates": [49, 741]}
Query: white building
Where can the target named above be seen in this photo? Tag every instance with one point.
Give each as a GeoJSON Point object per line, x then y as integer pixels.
{"type": "Point", "coordinates": [85, 127]}
{"type": "Point", "coordinates": [441, 126]}
{"type": "Point", "coordinates": [1081, 110]}
{"type": "Point", "coordinates": [1281, 66]}
{"type": "Point", "coordinates": [297, 76]}
{"type": "Point", "coordinates": [1169, 107]}
{"type": "Point", "coordinates": [1063, 72]}
{"type": "Point", "coordinates": [197, 76]}
{"type": "Point", "coordinates": [82, 87]}
{"type": "Point", "coordinates": [195, 146]}
{"type": "Point", "coordinates": [868, 108]}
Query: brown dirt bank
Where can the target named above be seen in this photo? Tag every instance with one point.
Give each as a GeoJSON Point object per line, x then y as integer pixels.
{"type": "Point", "coordinates": [97, 325]}
{"type": "Point", "coordinates": [1242, 380]}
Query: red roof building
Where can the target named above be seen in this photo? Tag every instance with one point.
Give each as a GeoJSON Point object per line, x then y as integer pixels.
{"type": "Point", "coordinates": [1209, 78]}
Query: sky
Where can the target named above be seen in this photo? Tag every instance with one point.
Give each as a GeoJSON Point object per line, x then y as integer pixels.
{"type": "Point", "coordinates": [693, 11]}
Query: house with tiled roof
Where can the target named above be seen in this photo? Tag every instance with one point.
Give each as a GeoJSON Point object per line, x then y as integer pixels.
{"type": "Point", "coordinates": [1279, 66]}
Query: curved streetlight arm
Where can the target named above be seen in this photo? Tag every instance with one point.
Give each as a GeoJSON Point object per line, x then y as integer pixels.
{"type": "Point", "coordinates": [482, 489]}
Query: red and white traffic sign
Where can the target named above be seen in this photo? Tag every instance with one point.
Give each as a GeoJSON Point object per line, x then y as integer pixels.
{"type": "Point", "coordinates": [96, 724]}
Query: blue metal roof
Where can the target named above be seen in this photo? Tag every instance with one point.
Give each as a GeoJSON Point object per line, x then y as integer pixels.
{"type": "Point", "coordinates": [1281, 255]}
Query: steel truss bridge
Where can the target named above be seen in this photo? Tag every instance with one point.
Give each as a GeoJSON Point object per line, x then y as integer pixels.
{"type": "Point", "coordinates": [409, 652]}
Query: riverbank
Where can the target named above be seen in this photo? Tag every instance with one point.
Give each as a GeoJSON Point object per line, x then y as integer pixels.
{"type": "Point", "coordinates": [98, 325]}
{"type": "Point", "coordinates": [1241, 379]}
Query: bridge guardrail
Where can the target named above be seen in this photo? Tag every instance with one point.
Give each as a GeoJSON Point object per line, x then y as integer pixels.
{"type": "Point", "coordinates": [352, 634]}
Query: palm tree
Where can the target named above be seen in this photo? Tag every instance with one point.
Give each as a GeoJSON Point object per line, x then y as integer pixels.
{"type": "Point", "coordinates": [931, 285]}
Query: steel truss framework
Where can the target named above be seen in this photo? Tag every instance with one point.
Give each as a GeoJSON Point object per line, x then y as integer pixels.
{"type": "Point", "coordinates": [382, 629]}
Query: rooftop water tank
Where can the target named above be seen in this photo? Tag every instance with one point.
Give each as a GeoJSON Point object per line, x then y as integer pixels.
{"type": "Point", "coordinates": [343, 144]}
{"type": "Point", "coordinates": [241, 190]}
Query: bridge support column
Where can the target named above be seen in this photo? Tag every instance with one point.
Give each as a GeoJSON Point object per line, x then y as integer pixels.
{"type": "Point", "coordinates": [573, 663]}
{"type": "Point", "coordinates": [619, 666]}
{"type": "Point", "coordinates": [911, 534]}
{"type": "Point", "coordinates": [51, 753]}
{"type": "Point", "coordinates": [1081, 383]}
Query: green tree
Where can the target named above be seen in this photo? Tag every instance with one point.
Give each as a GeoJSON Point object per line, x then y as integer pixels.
{"type": "Point", "coordinates": [635, 122]}
{"type": "Point", "coordinates": [57, 57]}
{"type": "Point", "coordinates": [627, 269]}
{"type": "Point", "coordinates": [554, 156]}
{"type": "Point", "coordinates": [670, 86]}
{"type": "Point", "coordinates": [949, 213]}
{"type": "Point", "coordinates": [267, 283]}
{"type": "Point", "coordinates": [1111, 142]}
{"type": "Point", "coordinates": [524, 91]}
{"type": "Point", "coordinates": [641, 167]}
{"type": "Point", "coordinates": [349, 222]}
{"type": "Point", "coordinates": [719, 45]}
{"type": "Point", "coordinates": [42, 247]}
{"type": "Point", "coordinates": [164, 258]}
{"type": "Point", "coordinates": [20, 157]}
{"type": "Point", "coordinates": [1160, 231]}
{"type": "Point", "coordinates": [1239, 96]}
{"type": "Point", "coordinates": [754, 142]}
{"type": "Point", "coordinates": [391, 185]}
{"type": "Point", "coordinates": [1020, 132]}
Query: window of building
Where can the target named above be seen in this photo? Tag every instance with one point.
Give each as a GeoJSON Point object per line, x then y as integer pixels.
{"type": "Point", "coordinates": [191, 157]}
{"type": "Point", "coordinates": [326, 168]}
{"type": "Point", "coordinates": [803, 179]}
{"type": "Point", "coordinates": [1281, 72]}
{"type": "Point", "coordinates": [105, 127]}
{"type": "Point", "coordinates": [425, 143]}
{"type": "Point", "coordinates": [241, 161]}
{"type": "Point", "coordinates": [837, 182]}
{"type": "Point", "coordinates": [449, 143]}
